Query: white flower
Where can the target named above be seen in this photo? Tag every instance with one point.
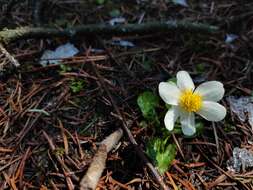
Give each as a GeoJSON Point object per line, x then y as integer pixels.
{"type": "Point", "coordinates": [186, 100]}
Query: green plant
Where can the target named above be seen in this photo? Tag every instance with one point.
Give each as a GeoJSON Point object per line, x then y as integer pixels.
{"type": "Point", "coordinates": [114, 13]}
{"type": "Point", "coordinates": [161, 153]}
{"type": "Point", "coordinates": [100, 2]}
{"type": "Point", "coordinates": [65, 68]}
{"type": "Point", "coordinates": [76, 85]}
{"type": "Point", "coordinates": [147, 103]}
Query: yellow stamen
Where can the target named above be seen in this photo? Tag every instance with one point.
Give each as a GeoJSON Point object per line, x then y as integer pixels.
{"type": "Point", "coordinates": [189, 101]}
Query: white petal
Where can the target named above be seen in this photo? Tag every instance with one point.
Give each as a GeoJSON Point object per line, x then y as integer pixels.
{"type": "Point", "coordinates": [211, 91]}
{"type": "Point", "coordinates": [169, 92]}
{"type": "Point", "coordinates": [171, 117]}
{"type": "Point", "coordinates": [187, 120]}
{"type": "Point", "coordinates": [184, 81]}
{"type": "Point", "coordinates": [212, 111]}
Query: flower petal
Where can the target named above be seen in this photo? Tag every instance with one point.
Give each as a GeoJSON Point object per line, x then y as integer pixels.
{"type": "Point", "coordinates": [187, 120]}
{"type": "Point", "coordinates": [211, 91]}
{"type": "Point", "coordinates": [169, 92]}
{"type": "Point", "coordinates": [212, 111]}
{"type": "Point", "coordinates": [184, 81]}
{"type": "Point", "coordinates": [171, 117]}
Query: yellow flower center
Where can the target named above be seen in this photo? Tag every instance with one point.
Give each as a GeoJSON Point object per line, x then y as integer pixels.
{"type": "Point", "coordinates": [189, 101]}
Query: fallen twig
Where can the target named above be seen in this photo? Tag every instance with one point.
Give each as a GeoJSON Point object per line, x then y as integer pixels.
{"type": "Point", "coordinates": [91, 178]}
{"type": "Point", "coordinates": [7, 36]}
{"type": "Point", "coordinates": [6, 55]}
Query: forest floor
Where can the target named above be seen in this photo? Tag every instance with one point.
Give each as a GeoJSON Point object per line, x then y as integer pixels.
{"type": "Point", "coordinates": [53, 117]}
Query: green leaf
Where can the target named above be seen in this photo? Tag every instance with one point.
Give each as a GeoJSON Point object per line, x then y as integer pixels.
{"type": "Point", "coordinates": [147, 102]}
{"type": "Point", "coordinates": [100, 2]}
{"type": "Point", "coordinates": [147, 63]}
{"type": "Point", "coordinates": [200, 68]}
{"type": "Point", "coordinates": [172, 80]}
{"type": "Point", "coordinates": [168, 106]}
{"type": "Point", "coordinates": [199, 128]}
{"type": "Point", "coordinates": [65, 68]}
{"type": "Point", "coordinates": [161, 153]}
{"type": "Point", "coordinates": [229, 127]}
{"type": "Point", "coordinates": [151, 150]}
{"type": "Point", "coordinates": [115, 13]}
{"type": "Point", "coordinates": [76, 85]}
{"type": "Point", "coordinates": [164, 159]}
{"type": "Point", "coordinates": [143, 124]}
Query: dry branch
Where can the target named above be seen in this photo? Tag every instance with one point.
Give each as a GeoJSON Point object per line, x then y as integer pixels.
{"type": "Point", "coordinates": [10, 35]}
{"type": "Point", "coordinates": [97, 166]}
{"type": "Point", "coordinates": [4, 54]}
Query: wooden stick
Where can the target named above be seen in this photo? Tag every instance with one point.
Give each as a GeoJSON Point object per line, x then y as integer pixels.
{"type": "Point", "coordinates": [92, 176]}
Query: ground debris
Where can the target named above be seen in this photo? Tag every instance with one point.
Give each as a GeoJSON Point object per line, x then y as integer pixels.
{"type": "Point", "coordinates": [242, 159]}
{"type": "Point", "coordinates": [49, 134]}
{"type": "Point", "coordinates": [242, 107]}
{"type": "Point", "coordinates": [63, 51]}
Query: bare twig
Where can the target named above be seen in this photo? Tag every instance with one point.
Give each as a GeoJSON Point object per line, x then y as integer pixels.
{"type": "Point", "coordinates": [95, 170]}
{"type": "Point", "coordinates": [7, 36]}
{"type": "Point", "coordinates": [97, 166]}
{"type": "Point", "coordinates": [138, 150]}
{"type": "Point", "coordinates": [8, 56]}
